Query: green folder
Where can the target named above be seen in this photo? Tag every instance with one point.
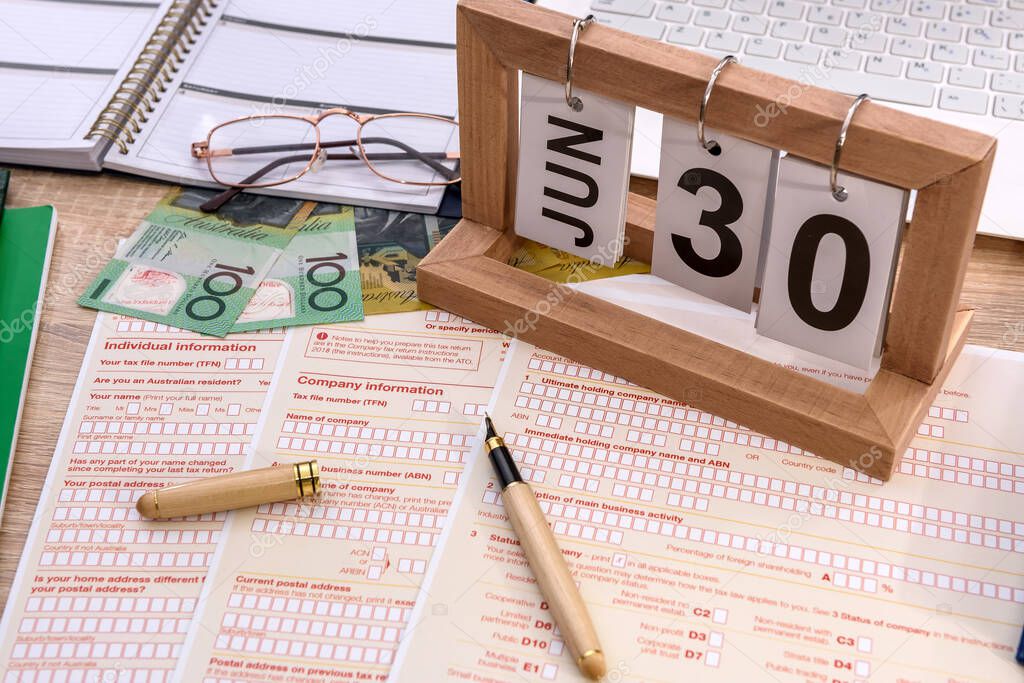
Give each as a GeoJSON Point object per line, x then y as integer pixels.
{"type": "Point", "coordinates": [26, 242]}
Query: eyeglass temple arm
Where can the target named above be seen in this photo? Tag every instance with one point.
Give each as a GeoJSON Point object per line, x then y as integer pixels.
{"type": "Point", "coordinates": [427, 158]}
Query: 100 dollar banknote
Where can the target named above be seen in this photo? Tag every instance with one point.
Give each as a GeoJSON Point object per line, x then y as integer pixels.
{"type": "Point", "coordinates": [315, 279]}
{"type": "Point", "coordinates": [202, 272]}
{"type": "Point", "coordinates": [188, 269]}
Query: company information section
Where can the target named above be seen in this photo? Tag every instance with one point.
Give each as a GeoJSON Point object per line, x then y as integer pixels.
{"type": "Point", "coordinates": [101, 594]}
{"type": "Point", "coordinates": [708, 552]}
{"type": "Point", "coordinates": [322, 590]}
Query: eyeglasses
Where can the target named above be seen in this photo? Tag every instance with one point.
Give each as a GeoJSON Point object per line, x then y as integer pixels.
{"type": "Point", "coordinates": [268, 150]}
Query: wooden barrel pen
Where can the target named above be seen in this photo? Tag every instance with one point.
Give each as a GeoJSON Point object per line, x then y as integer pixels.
{"type": "Point", "coordinates": [545, 559]}
{"type": "Point", "coordinates": [232, 491]}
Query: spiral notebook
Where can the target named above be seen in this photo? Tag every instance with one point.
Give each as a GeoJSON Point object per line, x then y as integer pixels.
{"type": "Point", "coordinates": [129, 85]}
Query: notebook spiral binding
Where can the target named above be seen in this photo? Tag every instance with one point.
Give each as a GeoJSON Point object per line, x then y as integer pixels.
{"type": "Point", "coordinates": [129, 107]}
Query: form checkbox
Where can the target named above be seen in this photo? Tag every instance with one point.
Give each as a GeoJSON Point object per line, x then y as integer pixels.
{"type": "Point", "coordinates": [864, 644]}
{"type": "Point", "coordinates": [720, 616]}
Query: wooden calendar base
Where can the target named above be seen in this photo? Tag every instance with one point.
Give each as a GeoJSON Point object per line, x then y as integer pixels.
{"type": "Point", "coordinates": [467, 274]}
{"type": "Point", "coordinates": [947, 166]}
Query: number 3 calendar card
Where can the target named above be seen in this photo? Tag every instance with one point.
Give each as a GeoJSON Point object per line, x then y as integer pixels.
{"type": "Point", "coordinates": [705, 551]}
{"type": "Point", "coordinates": [322, 591]}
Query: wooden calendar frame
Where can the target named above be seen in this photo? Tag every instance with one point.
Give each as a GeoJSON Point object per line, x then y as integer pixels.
{"type": "Point", "coordinates": [467, 273]}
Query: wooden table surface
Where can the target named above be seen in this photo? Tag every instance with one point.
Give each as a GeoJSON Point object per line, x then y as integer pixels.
{"type": "Point", "coordinates": [94, 211]}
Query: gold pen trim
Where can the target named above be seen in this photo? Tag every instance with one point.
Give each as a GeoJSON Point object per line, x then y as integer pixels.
{"type": "Point", "coordinates": [310, 478]}
{"type": "Point", "coordinates": [515, 483]}
{"type": "Point", "coordinates": [588, 653]}
{"type": "Point", "coordinates": [156, 502]}
{"type": "Point", "coordinates": [493, 442]}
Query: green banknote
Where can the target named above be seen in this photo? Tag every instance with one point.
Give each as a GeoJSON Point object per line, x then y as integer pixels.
{"type": "Point", "coordinates": [315, 279]}
{"type": "Point", "coordinates": [193, 270]}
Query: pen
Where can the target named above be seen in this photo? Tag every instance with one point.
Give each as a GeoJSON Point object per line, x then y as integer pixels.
{"type": "Point", "coordinates": [545, 559]}
{"type": "Point", "coordinates": [1020, 650]}
{"type": "Point", "coordinates": [232, 491]}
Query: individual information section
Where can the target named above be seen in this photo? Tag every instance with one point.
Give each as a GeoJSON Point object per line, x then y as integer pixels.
{"type": "Point", "coordinates": [100, 594]}
{"type": "Point", "coordinates": [708, 552]}
{"type": "Point", "coordinates": [322, 591]}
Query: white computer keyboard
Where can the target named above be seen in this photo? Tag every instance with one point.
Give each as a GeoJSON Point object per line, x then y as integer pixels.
{"type": "Point", "coordinates": [960, 55]}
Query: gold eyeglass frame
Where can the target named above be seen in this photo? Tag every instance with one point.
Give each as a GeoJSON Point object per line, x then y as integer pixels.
{"type": "Point", "coordinates": [202, 150]}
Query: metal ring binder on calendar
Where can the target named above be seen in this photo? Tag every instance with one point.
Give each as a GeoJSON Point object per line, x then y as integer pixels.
{"type": "Point", "coordinates": [947, 166]}
{"type": "Point", "coordinates": [154, 68]}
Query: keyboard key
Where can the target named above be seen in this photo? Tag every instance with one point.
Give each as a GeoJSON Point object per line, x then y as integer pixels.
{"type": "Point", "coordinates": [825, 15]}
{"type": "Point", "coordinates": [685, 35]}
{"type": "Point", "coordinates": [904, 26]}
{"type": "Point", "coordinates": [1020, 63]}
{"type": "Point", "coordinates": [951, 54]}
{"type": "Point", "coordinates": [842, 59]}
{"type": "Point", "coordinates": [1011, 83]}
{"type": "Point", "coordinates": [884, 65]}
{"type": "Point", "coordinates": [675, 12]}
{"type": "Point", "coordinates": [925, 71]}
{"type": "Point", "coordinates": [726, 42]}
{"type": "Point", "coordinates": [1016, 41]}
{"type": "Point", "coordinates": [764, 47]}
{"type": "Point", "coordinates": [967, 15]}
{"type": "Point", "coordinates": [649, 28]}
{"type": "Point", "coordinates": [865, 20]}
{"type": "Point", "coordinates": [967, 77]}
{"type": "Point", "coordinates": [749, 23]}
{"type": "Point", "coordinates": [751, 6]}
{"type": "Point", "coordinates": [992, 59]}
{"type": "Point", "coordinates": [909, 47]}
{"type": "Point", "coordinates": [828, 35]}
{"type": "Point", "coordinates": [853, 4]}
{"type": "Point", "coordinates": [890, 6]}
{"type": "Point", "coordinates": [882, 88]}
{"type": "Point", "coordinates": [712, 19]}
{"type": "Point", "coordinates": [1009, 107]}
{"type": "Point", "coordinates": [635, 8]}
{"type": "Point", "coordinates": [786, 9]}
{"type": "Point", "coordinates": [789, 30]}
{"type": "Point", "coordinates": [1005, 18]}
{"type": "Point", "coordinates": [966, 101]}
{"type": "Point", "coordinates": [803, 53]}
{"type": "Point", "coordinates": [869, 41]}
{"type": "Point", "coordinates": [927, 9]}
{"type": "Point", "coordinates": [943, 30]}
{"type": "Point", "coordinates": [715, 4]}
{"type": "Point", "coordinates": [985, 36]}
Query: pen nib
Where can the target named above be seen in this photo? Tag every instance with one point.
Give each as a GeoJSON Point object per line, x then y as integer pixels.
{"type": "Point", "coordinates": [491, 433]}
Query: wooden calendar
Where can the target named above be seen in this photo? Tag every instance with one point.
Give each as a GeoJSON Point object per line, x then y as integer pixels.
{"type": "Point", "coordinates": [924, 329]}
